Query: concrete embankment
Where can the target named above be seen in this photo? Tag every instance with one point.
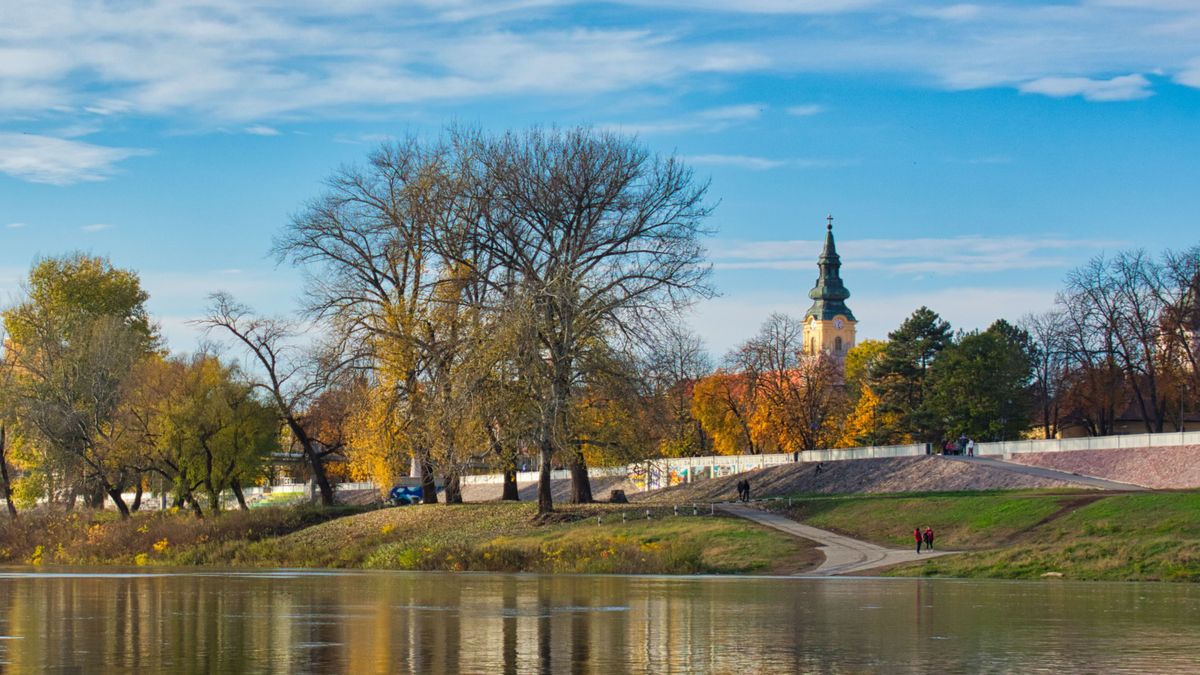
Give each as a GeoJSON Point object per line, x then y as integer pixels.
{"type": "Point", "coordinates": [1167, 468]}
{"type": "Point", "coordinates": [897, 474]}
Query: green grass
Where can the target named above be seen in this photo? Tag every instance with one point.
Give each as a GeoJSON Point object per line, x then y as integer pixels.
{"type": "Point", "coordinates": [962, 520]}
{"type": "Point", "coordinates": [1029, 534]}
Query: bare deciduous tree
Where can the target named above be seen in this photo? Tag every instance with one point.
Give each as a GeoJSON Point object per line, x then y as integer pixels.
{"type": "Point", "coordinates": [293, 378]}
{"type": "Point", "coordinates": [600, 237]}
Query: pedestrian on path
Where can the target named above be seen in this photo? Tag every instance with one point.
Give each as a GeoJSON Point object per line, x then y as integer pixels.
{"type": "Point", "coordinates": [917, 536]}
{"type": "Point", "coordinates": [746, 493]}
{"type": "Point", "coordinates": [741, 488]}
{"type": "Point", "coordinates": [928, 538]}
{"type": "Point", "coordinates": [970, 448]}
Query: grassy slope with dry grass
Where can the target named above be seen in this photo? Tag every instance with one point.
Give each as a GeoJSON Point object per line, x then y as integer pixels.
{"type": "Point", "coordinates": [494, 537]}
{"type": "Point", "coordinates": [1028, 534]}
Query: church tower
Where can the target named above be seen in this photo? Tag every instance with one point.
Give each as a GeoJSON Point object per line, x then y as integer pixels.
{"type": "Point", "coordinates": [829, 323]}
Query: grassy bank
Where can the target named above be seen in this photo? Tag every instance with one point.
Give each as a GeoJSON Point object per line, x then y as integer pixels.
{"type": "Point", "coordinates": [1028, 534]}
{"type": "Point", "coordinates": [493, 537]}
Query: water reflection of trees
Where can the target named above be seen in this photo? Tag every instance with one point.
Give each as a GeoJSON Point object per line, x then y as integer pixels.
{"type": "Point", "coordinates": [442, 623]}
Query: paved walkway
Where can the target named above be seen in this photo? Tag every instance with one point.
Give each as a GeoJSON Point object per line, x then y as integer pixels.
{"type": "Point", "coordinates": [843, 555]}
{"type": "Point", "coordinates": [1098, 483]}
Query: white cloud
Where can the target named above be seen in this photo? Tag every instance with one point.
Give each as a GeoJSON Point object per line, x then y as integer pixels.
{"type": "Point", "coordinates": [96, 227]}
{"type": "Point", "coordinates": [704, 120]}
{"type": "Point", "coordinates": [945, 256]}
{"type": "Point", "coordinates": [244, 62]}
{"type": "Point", "coordinates": [729, 320]}
{"type": "Point", "coordinates": [1190, 75]}
{"type": "Point", "coordinates": [738, 161]}
{"type": "Point", "coordinates": [806, 110]}
{"type": "Point", "coordinates": [58, 161]}
{"type": "Point", "coordinates": [763, 6]}
{"type": "Point", "coordinates": [261, 130]}
{"type": "Point", "coordinates": [959, 12]}
{"type": "Point", "coordinates": [14, 226]}
{"type": "Point", "coordinates": [764, 163]}
{"type": "Point", "coordinates": [1120, 88]}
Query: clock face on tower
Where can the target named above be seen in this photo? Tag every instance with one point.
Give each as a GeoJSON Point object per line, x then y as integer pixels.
{"type": "Point", "coordinates": [837, 323]}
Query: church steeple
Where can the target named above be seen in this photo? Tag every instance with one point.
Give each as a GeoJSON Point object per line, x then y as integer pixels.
{"type": "Point", "coordinates": [829, 294]}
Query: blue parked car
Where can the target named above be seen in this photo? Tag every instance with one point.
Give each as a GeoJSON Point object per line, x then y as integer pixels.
{"type": "Point", "coordinates": [403, 496]}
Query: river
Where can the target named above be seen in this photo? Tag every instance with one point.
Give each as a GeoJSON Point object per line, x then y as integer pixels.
{"type": "Point", "coordinates": [283, 621]}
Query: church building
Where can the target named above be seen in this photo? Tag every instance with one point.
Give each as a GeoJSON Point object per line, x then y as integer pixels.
{"type": "Point", "coordinates": [829, 325]}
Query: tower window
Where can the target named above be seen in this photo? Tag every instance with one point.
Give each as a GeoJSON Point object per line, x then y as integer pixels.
{"type": "Point", "coordinates": [837, 345]}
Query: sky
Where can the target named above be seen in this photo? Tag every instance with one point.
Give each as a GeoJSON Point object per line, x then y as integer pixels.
{"type": "Point", "coordinates": [971, 154]}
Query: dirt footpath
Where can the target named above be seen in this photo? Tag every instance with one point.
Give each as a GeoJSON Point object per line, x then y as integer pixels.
{"type": "Point", "coordinates": [1158, 468]}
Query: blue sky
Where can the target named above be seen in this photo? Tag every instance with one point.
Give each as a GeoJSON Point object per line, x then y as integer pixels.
{"type": "Point", "coordinates": [971, 153]}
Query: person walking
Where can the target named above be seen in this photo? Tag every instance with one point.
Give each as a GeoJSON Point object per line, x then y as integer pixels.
{"type": "Point", "coordinates": [970, 448]}
{"type": "Point", "coordinates": [917, 536]}
{"type": "Point", "coordinates": [928, 538]}
{"type": "Point", "coordinates": [741, 488]}
{"type": "Point", "coordinates": [746, 494]}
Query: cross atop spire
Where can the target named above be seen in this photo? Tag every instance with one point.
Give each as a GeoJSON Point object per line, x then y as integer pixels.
{"type": "Point", "coordinates": [829, 220]}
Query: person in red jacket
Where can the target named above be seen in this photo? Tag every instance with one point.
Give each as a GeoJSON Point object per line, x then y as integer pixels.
{"type": "Point", "coordinates": [928, 538]}
{"type": "Point", "coordinates": [917, 536]}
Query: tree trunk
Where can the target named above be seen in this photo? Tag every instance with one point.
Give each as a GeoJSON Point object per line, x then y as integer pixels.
{"type": "Point", "coordinates": [581, 485]}
{"type": "Point", "coordinates": [5, 482]}
{"type": "Point", "coordinates": [137, 497]}
{"type": "Point", "coordinates": [511, 493]}
{"type": "Point", "coordinates": [94, 497]}
{"type": "Point", "coordinates": [453, 489]}
{"type": "Point", "coordinates": [115, 495]}
{"type": "Point", "coordinates": [315, 462]}
{"type": "Point", "coordinates": [195, 504]}
{"type": "Point", "coordinates": [428, 483]}
{"type": "Point", "coordinates": [236, 486]}
{"type": "Point", "coordinates": [545, 496]}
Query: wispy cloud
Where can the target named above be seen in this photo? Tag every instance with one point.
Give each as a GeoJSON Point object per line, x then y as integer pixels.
{"type": "Point", "coordinates": [936, 256]}
{"type": "Point", "coordinates": [1120, 88]}
{"type": "Point", "coordinates": [731, 319]}
{"type": "Point", "coordinates": [705, 120]}
{"type": "Point", "coordinates": [250, 63]}
{"type": "Point", "coordinates": [261, 130]}
{"type": "Point", "coordinates": [96, 227]}
{"type": "Point", "coordinates": [763, 6]}
{"type": "Point", "coordinates": [738, 161]}
{"type": "Point", "coordinates": [806, 110]}
{"type": "Point", "coordinates": [764, 163]}
{"type": "Point", "coordinates": [16, 226]}
{"type": "Point", "coordinates": [58, 161]}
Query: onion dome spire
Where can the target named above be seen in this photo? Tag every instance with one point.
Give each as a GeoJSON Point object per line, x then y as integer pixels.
{"type": "Point", "coordinates": [829, 295]}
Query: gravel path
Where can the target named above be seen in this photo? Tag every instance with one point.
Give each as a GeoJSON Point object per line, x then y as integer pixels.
{"type": "Point", "coordinates": [843, 555]}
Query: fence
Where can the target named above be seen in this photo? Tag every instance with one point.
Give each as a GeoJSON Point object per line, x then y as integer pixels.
{"type": "Point", "coordinates": [659, 473]}
{"type": "Point", "coordinates": [1163, 440]}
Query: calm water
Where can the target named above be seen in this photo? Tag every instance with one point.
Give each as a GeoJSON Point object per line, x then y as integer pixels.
{"type": "Point", "coordinates": [284, 621]}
